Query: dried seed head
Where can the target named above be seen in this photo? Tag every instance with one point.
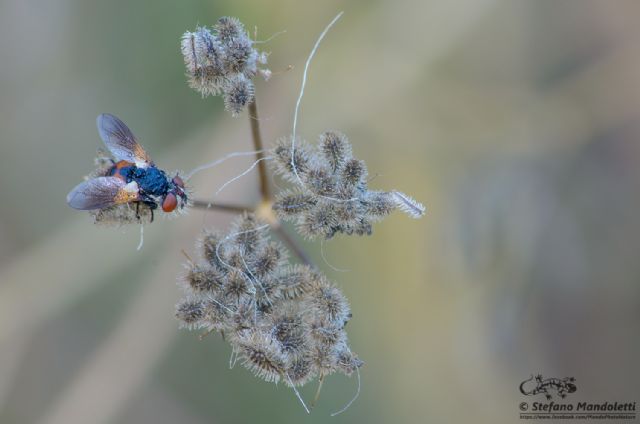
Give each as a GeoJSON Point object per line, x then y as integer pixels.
{"type": "Point", "coordinates": [291, 204]}
{"type": "Point", "coordinates": [123, 214]}
{"type": "Point", "coordinates": [346, 360]}
{"type": "Point", "coordinates": [208, 247]}
{"type": "Point", "coordinates": [408, 205]}
{"type": "Point", "coordinates": [320, 181]}
{"type": "Point", "coordinates": [303, 156]}
{"type": "Point", "coordinates": [329, 302]}
{"type": "Point", "coordinates": [238, 93]}
{"type": "Point", "coordinates": [217, 314]}
{"type": "Point", "coordinates": [239, 54]}
{"type": "Point", "coordinates": [287, 326]}
{"type": "Point", "coordinates": [229, 28]}
{"type": "Point", "coordinates": [222, 61]}
{"type": "Point", "coordinates": [324, 359]}
{"type": "Point", "coordinates": [354, 173]}
{"type": "Point", "coordinates": [363, 228]}
{"type": "Point", "coordinates": [267, 259]}
{"type": "Point", "coordinates": [378, 204]}
{"type": "Point", "coordinates": [284, 321]}
{"type": "Point", "coordinates": [331, 196]}
{"type": "Point", "coordinates": [247, 234]}
{"type": "Point", "coordinates": [235, 259]}
{"type": "Point", "coordinates": [102, 162]}
{"type": "Point", "coordinates": [204, 278]}
{"type": "Point", "coordinates": [321, 221]}
{"type": "Point", "coordinates": [190, 312]}
{"type": "Point", "coordinates": [335, 148]}
{"type": "Point", "coordinates": [296, 280]}
{"type": "Point", "coordinates": [203, 57]}
{"type": "Point", "coordinates": [300, 371]}
{"type": "Point", "coordinates": [348, 215]}
{"type": "Point", "coordinates": [245, 316]}
{"type": "Point", "coordinates": [324, 332]}
{"type": "Point", "coordinates": [267, 294]}
{"type": "Point", "coordinates": [261, 355]}
{"type": "Point", "coordinates": [236, 286]}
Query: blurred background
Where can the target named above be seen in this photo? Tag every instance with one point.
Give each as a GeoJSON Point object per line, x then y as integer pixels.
{"type": "Point", "coordinates": [515, 122]}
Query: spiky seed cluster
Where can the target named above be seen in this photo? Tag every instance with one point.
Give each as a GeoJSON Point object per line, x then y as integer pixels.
{"type": "Point", "coordinates": [331, 194]}
{"type": "Point", "coordinates": [284, 322]}
{"type": "Point", "coordinates": [223, 60]}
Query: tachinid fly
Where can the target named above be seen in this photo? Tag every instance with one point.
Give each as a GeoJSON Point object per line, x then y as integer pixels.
{"type": "Point", "coordinates": [132, 178]}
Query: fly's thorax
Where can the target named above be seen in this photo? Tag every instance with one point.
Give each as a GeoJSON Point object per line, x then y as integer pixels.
{"type": "Point", "coordinates": [152, 181]}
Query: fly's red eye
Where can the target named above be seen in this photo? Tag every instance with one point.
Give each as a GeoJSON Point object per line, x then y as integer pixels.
{"type": "Point", "coordinates": [178, 181]}
{"type": "Point", "coordinates": [169, 202]}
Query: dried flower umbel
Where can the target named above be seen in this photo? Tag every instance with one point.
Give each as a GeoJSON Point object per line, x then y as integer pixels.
{"type": "Point", "coordinates": [284, 322]}
{"type": "Point", "coordinates": [331, 194]}
{"type": "Point", "coordinates": [223, 61]}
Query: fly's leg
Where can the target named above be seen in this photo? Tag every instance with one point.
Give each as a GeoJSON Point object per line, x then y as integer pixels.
{"type": "Point", "coordinates": [150, 202]}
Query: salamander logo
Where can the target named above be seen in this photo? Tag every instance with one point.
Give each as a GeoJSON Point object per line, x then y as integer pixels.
{"type": "Point", "coordinates": [547, 386]}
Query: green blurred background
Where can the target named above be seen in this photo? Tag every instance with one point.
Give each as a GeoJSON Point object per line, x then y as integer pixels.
{"type": "Point", "coordinates": [516, 122]}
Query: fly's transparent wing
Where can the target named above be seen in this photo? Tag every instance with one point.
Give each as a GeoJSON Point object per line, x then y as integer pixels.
{"type": "Point", "coordinates": [102, 192]}
{"type": "Point", "coordinates": [120, 140]}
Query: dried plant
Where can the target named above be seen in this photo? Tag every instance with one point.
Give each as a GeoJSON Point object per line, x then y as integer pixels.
{"type": "Point", "coordinates": [284, 320]}
{"type": "Point", "coordinates": [331, 194]}
{"type": "Point", "coordinates": [223, 61]}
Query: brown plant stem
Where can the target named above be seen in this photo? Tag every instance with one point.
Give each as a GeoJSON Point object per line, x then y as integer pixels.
{"type": "Point", "coordinates": [254, 121]}
{"type": "Point", "coordinates": [276, 226]}
{"type": "Point", "coordinates": [263, 210]}
{"type": "Point", "coordinates": [203, 204]}
{"type": "Point", "coordinates": [317, 396]}
{"type": "Point", "coordinates": [282, 233]}
{"type": "Point", "coordinates": [265, 192]}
